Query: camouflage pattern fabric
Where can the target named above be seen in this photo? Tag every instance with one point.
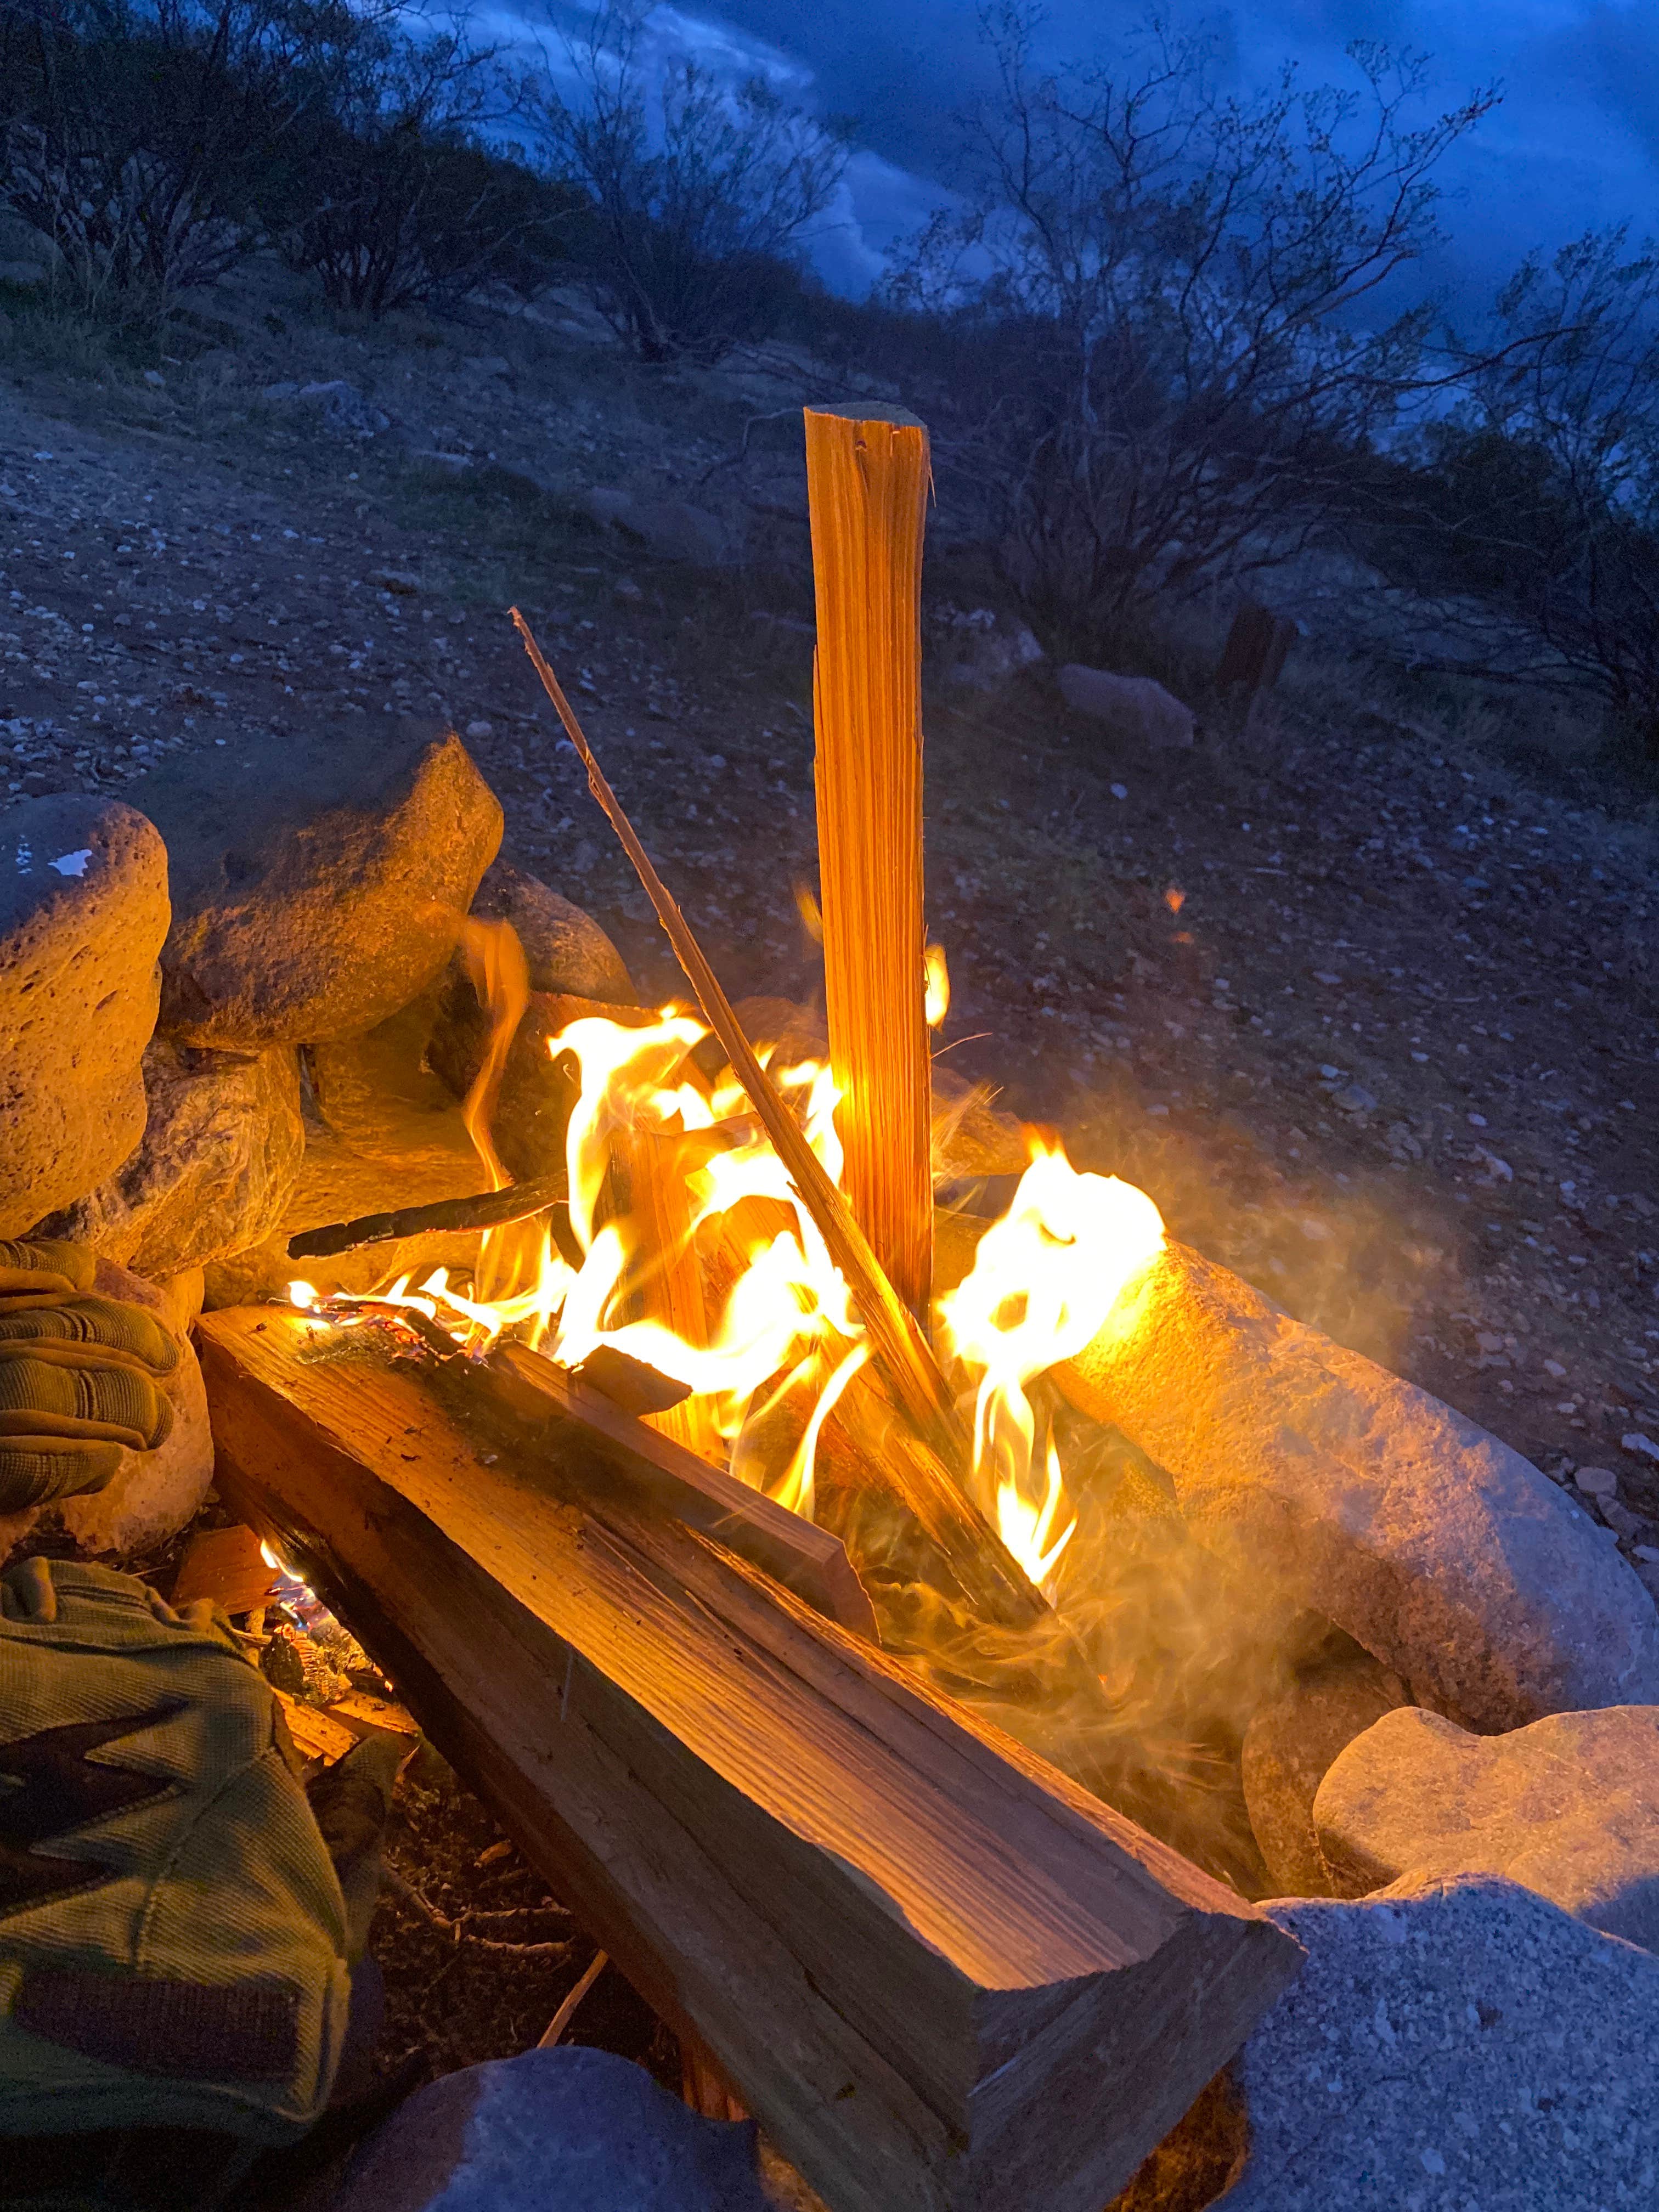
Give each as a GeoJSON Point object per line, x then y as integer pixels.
{"type": "Point", "coordinates": [172, 1935]}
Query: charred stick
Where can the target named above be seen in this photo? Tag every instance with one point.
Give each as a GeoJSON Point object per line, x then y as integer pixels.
{"type": "Point", "coordinates": [901, 1350]}
{"type": "Point", "coordinates": [486, 1209]}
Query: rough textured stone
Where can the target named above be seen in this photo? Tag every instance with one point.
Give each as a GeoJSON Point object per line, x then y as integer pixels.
{"type": "Point", "coordinates": [337, 1184]}
{"type": "Point", "coordinates": [215, 1166]}
{"type": "Point", "coordinates": [1440, 1550]}
{"type": "Point", "coordinates": [151, 1495]}
{"type": "Point", "coordinates": [564, 948]}
{"type": "Point", "coordinates": [1449, 2046]}
{"type": "Point", "coordinates": [83, 911]}
{"type": "Point", "coordinates": [562, 2131]}
{"type": "Point", "coordinates": [381, 1100]}
{"type": "Point", "coordinates": [317, 886]}
{"type": "Point", "coordinates": [1136, 708]}
{"type": "Point", "coordinates": [1288, 1747]}
{"type": "Point", "coordinates": [1569, 1807]}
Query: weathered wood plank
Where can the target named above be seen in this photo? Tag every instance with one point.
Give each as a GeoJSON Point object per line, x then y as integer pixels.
{"type": "Point", "coordinates": [943, 1977]}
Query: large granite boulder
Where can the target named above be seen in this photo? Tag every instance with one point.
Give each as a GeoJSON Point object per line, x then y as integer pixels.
{"type": "Point", "coordinates": [151, 1495]}
{"type": "Point", "coordinates": [1569, 1807]}
{"type": "Point", "coordinates": [84, 912]}
{"type": "Point", "coordinates": [1450, 2045]}
{"type": "Point", "coordinates": [1290, 1745]}
{"type": "Point", "coordinates": [317, 886]}
{"type": "Point", "coordinates": [1307, 1467]}
{"type": "Point", "coordinates": [561, 2130]}
{"type": "Point", "coordinates": [215, 1166]}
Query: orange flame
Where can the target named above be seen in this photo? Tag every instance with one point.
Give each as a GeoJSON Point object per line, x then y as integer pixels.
{"type": "Point", "coordinates": [1045, 1278]}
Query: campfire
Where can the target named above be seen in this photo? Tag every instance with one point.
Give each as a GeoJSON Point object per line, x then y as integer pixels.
{"type": "Point", "coordinates": [833, 1584]}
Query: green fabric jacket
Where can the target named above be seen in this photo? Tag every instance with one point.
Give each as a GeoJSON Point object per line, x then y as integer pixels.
{"type": "Point", "coordinates": [172, 1936]}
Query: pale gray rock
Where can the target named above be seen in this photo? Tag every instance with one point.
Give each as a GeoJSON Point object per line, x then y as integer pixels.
{"type": "Point", "coordinates": [1308, 1469]}
{"type": "Point", "coordinates": [84, 912]}
{"type": "Point", "coordinates": [217, 1165]}
{"type": "Point", "coordinates": [984, 657]}
{"type": "Point", "coordinates": [1290, 1744]}
{"type": "Point", "coordinates": [1569, 1807]}
{"type": "Point", "coordinates": [1453, 2045]}
{"type": "Point", "coordinates": [672, 528]}
{"type": "Point", "coordinates": [568, 2129]}
{"type": "Point", "coordinates": [318, 886]}
{"type": "Point", "coordinates": [1136, 708]}
{"type": "Point", "coordinates": [152, 1495]}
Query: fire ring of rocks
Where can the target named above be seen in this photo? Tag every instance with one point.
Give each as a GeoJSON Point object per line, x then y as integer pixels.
{"type": "Point", "coordinates": [1372, 1707]}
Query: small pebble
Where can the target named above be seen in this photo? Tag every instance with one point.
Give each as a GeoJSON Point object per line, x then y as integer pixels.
{"type": "Point", "coordinates": [480, 730]}
{"type": "Point", "coordinates": [1597, 1482]}
{"type": "Point", "coordinates": [1120, 791]}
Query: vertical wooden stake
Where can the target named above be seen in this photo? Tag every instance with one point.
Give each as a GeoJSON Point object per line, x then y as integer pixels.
{"type": "Point", "coordinates": [867, 476]}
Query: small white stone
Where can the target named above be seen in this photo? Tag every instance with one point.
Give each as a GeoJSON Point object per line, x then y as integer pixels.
{"type": "Point", "coordinates": [1597, 1482]}
{"type": "Point", "coordinates": [1643, 1447]}
{"type": "Point", "coordinates": [480, 730]}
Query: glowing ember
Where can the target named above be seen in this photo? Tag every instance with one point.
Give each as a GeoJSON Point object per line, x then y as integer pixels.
{"type": "Point", "coordinates": [781, 1327]}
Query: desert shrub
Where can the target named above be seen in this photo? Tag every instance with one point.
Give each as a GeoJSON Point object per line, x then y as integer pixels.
{"type": "Point", "coordinates": [699, 195]}
{"type": "Point", "coordinates": [1164, 298]}
{"type": "Point", "coordinates": [144, 139]}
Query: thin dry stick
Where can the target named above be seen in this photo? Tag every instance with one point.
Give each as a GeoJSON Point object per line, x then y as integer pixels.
{"type": "Point", "coordinates": [866, 489]}
{"type": "Point", "coordinates": [488, 1209]}
{"type": "Point", "coordinates": [901, 1350]}
{"type": "Point", "coordinates": [567, 2011]}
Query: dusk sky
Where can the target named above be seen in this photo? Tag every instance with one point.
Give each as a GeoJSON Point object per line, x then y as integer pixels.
{"type": "Point", "coordinates": [1575, 142]}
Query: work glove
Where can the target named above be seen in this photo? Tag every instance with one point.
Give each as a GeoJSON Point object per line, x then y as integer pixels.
{"type": "Point", "coordinates": [79, 1376]}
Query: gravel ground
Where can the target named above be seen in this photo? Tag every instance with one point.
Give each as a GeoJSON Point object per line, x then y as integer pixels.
{"type": "Point", "coordinates": [1367, 1003]}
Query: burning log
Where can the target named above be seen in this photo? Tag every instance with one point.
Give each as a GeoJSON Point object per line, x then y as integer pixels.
{"type": "Point", "coordinates": [866, 486]}
{"type": "Point", "coordinates": [486, 1209]}
{"type": "Point", "coordinates": [561, 1410]}
{"type": "Point", "coordinates": [940, 1976]}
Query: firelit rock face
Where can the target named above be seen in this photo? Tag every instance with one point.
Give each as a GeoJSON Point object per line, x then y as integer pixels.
{"type": "Point", "coordinates": [1288, 1747]}
{"type": "Point", "coordinates": [83, 911]}
{"type": "Point", "coordinates": [564, 948]}
{"type": "Point", "coordinates": [317, 886]}
{"type": "Point", "coordinates": [151, 1495]}
{"type": "Point", "coordinates": [1452, 2045]}
{"type": "Point", "coordinates": [1569, 1807]}
{"type": "Point", "coordinates": [1444, 1553]}
{"type": "Point", "coordinates": [218, 1160]}
{"type": "Point", "coordinates": [560, 2130]}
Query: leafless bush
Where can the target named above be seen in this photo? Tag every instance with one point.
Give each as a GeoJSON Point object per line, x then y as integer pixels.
{"type": "Point", "coordinates": [1167, 308]}
{"type": "Point", "coordinates": [399, 199]}
{"type": "Point", "coordinates": [699, 193]}
{"type": "Point", "coordinates": [140, 136]}
{"type": "Point", "coordinates": [1525, 525]}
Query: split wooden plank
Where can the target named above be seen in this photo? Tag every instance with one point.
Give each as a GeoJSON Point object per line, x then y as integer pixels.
{"type": "Point", "coordinates": [228, 1566]}
{"type": "Point", "coordinates": [867, 479]}
{"type": "Point", "coordinates": [942, 1977]}
{"type": "Point", "coordinates": [560, 1411]}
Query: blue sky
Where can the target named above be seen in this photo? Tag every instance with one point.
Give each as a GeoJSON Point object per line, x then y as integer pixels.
{"type": "Point", "coordinates": [1575, 142]}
